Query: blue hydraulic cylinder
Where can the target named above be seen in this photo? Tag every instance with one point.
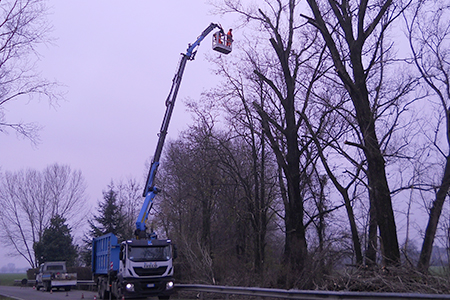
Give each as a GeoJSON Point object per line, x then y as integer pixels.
{"type": "Point", "coordinates": [145, 210]}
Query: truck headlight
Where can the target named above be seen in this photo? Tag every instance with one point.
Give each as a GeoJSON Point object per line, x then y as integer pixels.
{"type": "Point", "coordinates": [169, 285]}
{"type": "Point", "coordinates": [130, 287]}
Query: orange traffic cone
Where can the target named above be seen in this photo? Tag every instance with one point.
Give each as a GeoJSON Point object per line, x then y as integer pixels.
{"type": "Point", "coordinates": [95, 297]}
{"type": "Point", "coordinates": [82, 296]}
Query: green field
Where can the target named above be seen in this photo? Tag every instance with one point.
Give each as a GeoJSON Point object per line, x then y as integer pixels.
{"type": "Point", "coordinates": [8, 279]}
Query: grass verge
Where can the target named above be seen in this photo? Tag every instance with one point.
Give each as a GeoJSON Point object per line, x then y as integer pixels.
{"type": "Point", "coordinates": [8, 279]}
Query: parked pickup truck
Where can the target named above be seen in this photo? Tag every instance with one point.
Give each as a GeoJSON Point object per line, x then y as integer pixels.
{"type": "Point", "coordinates": [53, 274]}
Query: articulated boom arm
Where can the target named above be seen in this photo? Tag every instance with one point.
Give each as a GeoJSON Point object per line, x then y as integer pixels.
{"type": "Point", "coordinates": [150, 190]}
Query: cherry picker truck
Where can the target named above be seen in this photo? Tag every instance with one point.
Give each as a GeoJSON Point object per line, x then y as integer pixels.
{"type": "Point", "coordinates": [143, 266]}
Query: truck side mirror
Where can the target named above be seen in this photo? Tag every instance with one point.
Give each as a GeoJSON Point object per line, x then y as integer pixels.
{"type": "Point", "coordinates": [175, 251]}
{"type": "Point", "coordinates": [121, 256]}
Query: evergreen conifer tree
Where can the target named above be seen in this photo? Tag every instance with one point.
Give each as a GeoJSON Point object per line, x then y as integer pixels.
{"type": "Point", "coordinates": [110, 219]}
{"type": "Point", "coordinates": [56, 243]}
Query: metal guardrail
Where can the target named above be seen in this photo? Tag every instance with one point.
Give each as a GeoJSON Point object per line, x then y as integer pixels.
{"type": "Point", "coordinates": [90, 285]}
{"type": "Point", "coordinates": [32, 282]}
{"type": "Point", "coordinates": [305, 295]}
{"type": "Point", "coordinates": [86, 282]}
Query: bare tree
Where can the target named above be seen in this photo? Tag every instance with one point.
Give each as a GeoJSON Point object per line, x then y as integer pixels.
{"type": "Point", "coordinates": [29, 200]}
{"type": "Point", "coordinates": [280, 123]}
{"type": "Point", "coordinates": [354, 32]}
{"type": "Point", "coordinates": [429, 36]}
{"type": "Point", "coordinates": [322, 143]}
{"type": "Point", "coordinates": [288, 68]}
{"type": "Point", "coordinates": [244, 155]}
{"type": "Point", "coordinates": [129, 194]}
{"type": "Point", "coordinates": [192, 186]}
{"type": "Point", "coordinates": [22, 28]}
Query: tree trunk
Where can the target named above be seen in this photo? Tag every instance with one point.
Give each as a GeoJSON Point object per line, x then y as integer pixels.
{"type": "Point", "coordinates": [430, 61]}
{"type": "Point", "coordinates": [356, 86]}
{"type": "Point", "coordinates": [435, 213]}
{"type": "Point", "coordinates": [354, 229]}
{"type": "Point", "coordinates": [371, 252]}
{"type": "Point", "coordinates": [295, 250]}
{"type": "Point", "coordinates": [376, 172]}
{"type": "Point", "coordinates": [295, 246]}
{"type": "Point", "coordinates": [206, 223]}
{"type": "Point", "coordinates": [263, 210]}
{"type": "Point", "coordinates": [343, 191]}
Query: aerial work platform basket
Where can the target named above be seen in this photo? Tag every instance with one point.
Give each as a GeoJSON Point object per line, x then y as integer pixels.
{"type": "Point", "coordinates": [221, 42]}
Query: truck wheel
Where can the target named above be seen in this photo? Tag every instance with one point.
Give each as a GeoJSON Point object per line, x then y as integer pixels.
{"type": "Point", "coordinates": [100, 289]}
{"type": "Point", "coordinates": [67, 288]}
{"type": "Point", "coordinates": [119, 293]}
{"type": "Point", "coordinates": [102, 292]}
{"type": "Point", "coordinates": [163, 297]}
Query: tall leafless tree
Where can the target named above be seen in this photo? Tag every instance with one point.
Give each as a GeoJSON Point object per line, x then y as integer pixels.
{"type": "Point", "coordinates": [429, 39]}
{"type": "Point", "coordinates": [192, 187]}
{"type": "Point", "coordinates": [29, 200]}
{"type": "Point", "coordinates": [129, 196]}
{"type": "Point", "coordinates": [288, 67]}
{"type": "Point", "coordinates": [23, 27]}
{"type": "Point", "coordinates": [322, 143]}
{"type": "Point", "coordinates": [278, 20]}
{"type": "Point", "coordinates": [353, 32]}
{"type": "Point", "coordinates": [244, 155]}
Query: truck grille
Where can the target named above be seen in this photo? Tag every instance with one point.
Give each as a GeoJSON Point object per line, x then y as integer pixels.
{"type": "Point", "coordinates": [150, 272]}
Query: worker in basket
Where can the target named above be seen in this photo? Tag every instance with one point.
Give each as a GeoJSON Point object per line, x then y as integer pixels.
{"type": "Point", "coordinates": [229, 37]}
{"type": "Point", "coordinates": [218, 37]}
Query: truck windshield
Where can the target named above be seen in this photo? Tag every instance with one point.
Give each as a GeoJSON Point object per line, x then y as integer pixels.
{"type": "Point", "coordinates": [153, 253]}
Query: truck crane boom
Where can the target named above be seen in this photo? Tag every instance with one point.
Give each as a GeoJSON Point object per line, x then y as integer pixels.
{"type": "Point", "coordinates": [150, 190]}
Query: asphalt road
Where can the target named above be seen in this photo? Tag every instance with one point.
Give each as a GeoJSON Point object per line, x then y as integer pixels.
{"type": "Point", "coordinates": [28, 293]}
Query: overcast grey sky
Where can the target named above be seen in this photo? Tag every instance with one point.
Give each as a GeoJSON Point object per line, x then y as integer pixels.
{"type": "Point", "coordinates": [116, 60]}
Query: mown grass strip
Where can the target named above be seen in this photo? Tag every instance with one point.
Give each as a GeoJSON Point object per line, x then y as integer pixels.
{"type": "Point", "coordinates": [8, 278]}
